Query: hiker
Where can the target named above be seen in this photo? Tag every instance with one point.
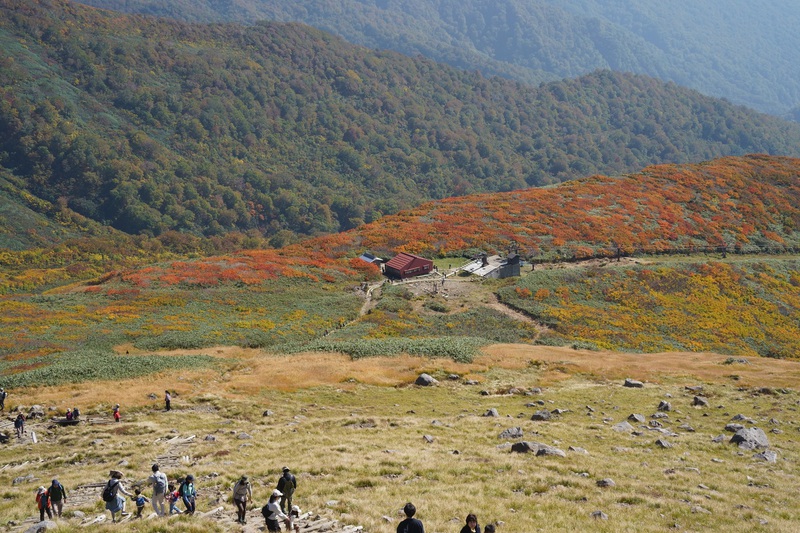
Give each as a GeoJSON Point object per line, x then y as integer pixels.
{"type": "Point", "coordinates": [287, 485]}
{"type": "Point", "coordinates": [75, 413]}
{"type": "Point", "coordinates": [159, 483]}
{"type": "Point", "coordinates": [140, 499]}
{"type": "Point", "coordinates": [43, 503]}
{"type": "Point", "coordinates": [19, 425]}
{"type": "Point", "coordinates": [272, 513]}
{"type": "Point", "coordinates": [167, 399]}
{"type": "Point", "coordinates": [242, 491]}
{"type": "Point", "coordinates": [173, 498]}
{"type": "Point", "coordinates": [115, 412]}
{"type": "Point", "coordinates": [472, 525]}
{"type": "Point", "coordinates": [58, 495]}
{"type": "Point", "coordinates": [68, 416]}
{"type": "Point", "coordinates": [410, 524]}
{"type": "Point", "coordinates": [3, 395]}
{"type": "Point", "coordinates": [188, 494]}
{"type": "Point", "coordinates": [114, 501]}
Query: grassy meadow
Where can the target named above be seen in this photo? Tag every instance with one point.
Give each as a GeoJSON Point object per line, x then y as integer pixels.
{"type": "Point", "coordinates": [353, 432]}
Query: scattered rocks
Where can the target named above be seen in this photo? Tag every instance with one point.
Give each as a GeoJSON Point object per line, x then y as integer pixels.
{"type": "Point", "coordinates": [750, 439]}
{"type": "Point", "coordinates": [23, 479]}
{"type": "Point", "coordinates": [606, 482]}
{"type": "Point", "coordinates": [511, 433]}
{"type": "Point", "coordinates": [633, 383]}
{"type": "Point", "coordinates": [425, 380]}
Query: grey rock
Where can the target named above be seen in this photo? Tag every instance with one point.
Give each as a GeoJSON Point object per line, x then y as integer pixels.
{"type": "Point", "coordinates": [511, 433]}
{"type": "Point", "coordinates": [699, 401]}
{"type": "Point", "coordinates": [686, 427]}
{"type": "Point", "coordinates": [536, 448]}
{"type": "Point", "coordinates": [633, 383]}
{"type": "Point", "coordinates": [577, 449]}
{"type": "Point", "coordinates": [622, 427]}
{"type": "Point", "coordinates": [123, 463]}
{"type": "Point", "coordinates": [599, 515]}
{"type": "Point", "coordinates": [23, 479]}
{"type": "Point", "coordinates": [741, 418]}
{"type": "Point", "coordinates": [767, 455]}
{"type": "Point", "coordinates": [695, 389]}
{"type": "Point", "coordinates": [607, 482]}
{"type": "Point", "coordinates": [428, 438]}
{"type": "Point", "coordinates": [662, 416]}
{"type": "Point", "coordinates": [750, 439]}
{"type": "Point", "coordinates": [79, 514]}
{"type": "Point", "coordinates": [47, 525]}
{"type": "Point", "coordinates": [243, 436]}
{"type": "Point", "coordinates": [733, 427]}
{"type": "Point", "coordinates": [698, 509]}
{"type": "Point", "coordinates": [637, 418]}
{"type": "Point", "coordinates": [558, 412]}
{"type": "Point", "coordinates": [471, 382]}
{"type": "Point", "coordinates": [663, 443]}
{"type": "Point", "coordinates": [268, 412]}
{"type": "Point", "coordinates": [425, 380]}
{"type": "Point", "coordinates": [491, 412]}
{"type": "Point", "coordinates": [541, 415]}
{"type": "Point", "coordinates": [453, 377]}
{"type": "Point", "coordinates": [210, 438]}
{"type": "Point", "coordinates": [535, 390]}
{"type": "Point", "coordinates": [664, 405]}
{"type": "Point", "coordinates": [485, 393]}
{"type": "Point", "coordinates": [655, 424]}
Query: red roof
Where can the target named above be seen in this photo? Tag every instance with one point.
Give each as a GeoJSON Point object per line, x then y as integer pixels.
{"type": "Point", "coordinates": [402, 260]}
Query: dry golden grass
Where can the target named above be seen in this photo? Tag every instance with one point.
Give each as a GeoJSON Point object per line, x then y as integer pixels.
{"type": "Point", "coordinates": [353, 432]}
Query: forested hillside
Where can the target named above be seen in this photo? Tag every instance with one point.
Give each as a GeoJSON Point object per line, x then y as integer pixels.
{"type": "Point", "coordinates": [746, 52]}
{"type": "Point", "coordinates": [277, 129]}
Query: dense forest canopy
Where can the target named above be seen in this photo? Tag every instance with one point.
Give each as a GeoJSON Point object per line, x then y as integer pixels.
{"type": "Point", "coordinates": [152, 125]}
{"type": "Point", "coordinates": [746, 51]}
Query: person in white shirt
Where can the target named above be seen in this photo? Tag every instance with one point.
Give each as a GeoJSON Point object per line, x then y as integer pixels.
{"type": "Point", "coordinates": [274, 514]}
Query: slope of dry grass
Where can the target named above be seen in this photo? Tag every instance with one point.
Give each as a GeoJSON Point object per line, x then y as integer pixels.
{"type": "Point", "coordinates": [353, 432]}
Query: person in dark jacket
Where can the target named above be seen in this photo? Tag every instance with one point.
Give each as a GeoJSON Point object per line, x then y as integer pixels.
{"type": "Point", "coordinates": [58, 495]}
{"type": "Point", "coordinates": [410, 524]}
{"type": "Point", "coordinates": [287, 485]}
{"type": "Point", "coordinates": [472, 525]}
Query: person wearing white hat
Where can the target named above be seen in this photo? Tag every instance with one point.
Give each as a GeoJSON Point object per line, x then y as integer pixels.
{"type": "Point", "coordinates": [273, 514]}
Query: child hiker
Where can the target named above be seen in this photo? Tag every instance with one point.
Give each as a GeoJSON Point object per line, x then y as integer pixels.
{"type": "Point", "coordinates": [140, 499]}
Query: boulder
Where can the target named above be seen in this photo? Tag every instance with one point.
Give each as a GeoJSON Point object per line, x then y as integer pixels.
{"type": "Point", "coordinates": [511, 433]}
{"type": "Point", "coordinates": [47, 525]}
{"type": "Point", "coordinates": [607, 482]}
{"type": "Point", "coordinates": [267, 413]}
{"type": "Point", "coordinates": [663, 443]}
{"type": "Point", "coordinates": [633, 383]}
{"type": "Point", "coordinates": [536, 448]}
{"type": "Point", "coordinates": [622, 427]}
{"type": "Point", "coordinates": [425, 380]}
{"type": "Point", "coordinates": [577, 449]}
{"type": "Point", "coordinates": [767, 455]}
{"type": "Point", "coordinates": [636, 418]}
{"type": "Point", "coordinates": [491, 413]}
{"type": "Point", "coordinates": [542, 415]}
{"type": "Point", "coordinates": [664, 405]}
{"type": "Point", "coordinates": [699, 401]}
{"type": "Point", "coordinates": [750, 439]}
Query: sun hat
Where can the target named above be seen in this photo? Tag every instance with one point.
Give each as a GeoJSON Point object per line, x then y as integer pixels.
{"type": "Point", "coordinates": [276, 492]}
{"type": "Point", "coordinates": [285, 468]}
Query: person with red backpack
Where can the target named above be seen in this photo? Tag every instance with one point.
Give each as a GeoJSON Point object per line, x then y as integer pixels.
{"type": "Point", "coordinates": [43, 503]}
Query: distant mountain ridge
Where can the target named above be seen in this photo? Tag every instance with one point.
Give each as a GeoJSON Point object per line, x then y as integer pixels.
{"type": "Point", "coordinates": [746, 51]}
{"type": "Point", "coordinates": [150, 125]}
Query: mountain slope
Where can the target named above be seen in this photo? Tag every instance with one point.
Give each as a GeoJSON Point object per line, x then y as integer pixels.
{"type": "Point", "coordinates": [746, 52]}
{"type": "Point", "coordinates": [149, 125]}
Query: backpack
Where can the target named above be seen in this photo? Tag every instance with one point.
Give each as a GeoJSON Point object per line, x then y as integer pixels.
{"type": "Point", "coordinates": [110, 492]}
{"type": "Point", "coordinates": [56, 492]}
{"type": "Point", "coordinates": [159, 487]}
{"type": "Point", "coordinates": [265, 512]}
